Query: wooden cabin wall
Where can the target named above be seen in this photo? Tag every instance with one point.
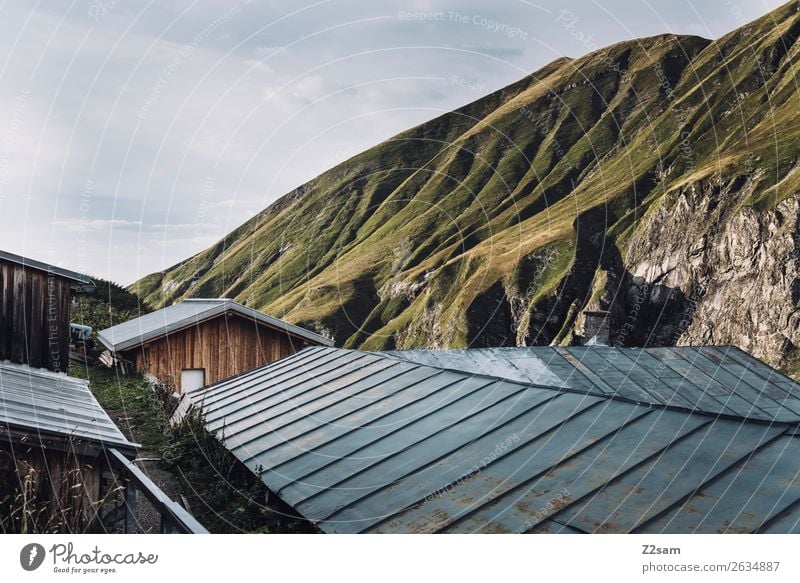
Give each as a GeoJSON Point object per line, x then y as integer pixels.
{"type": "Point", "coordinates": [224, 346]}
{"type": "Point", "coordinates": [34, 317]}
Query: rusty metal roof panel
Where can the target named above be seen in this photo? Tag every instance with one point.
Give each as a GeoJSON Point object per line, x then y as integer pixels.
{"type": "Point", "coordinates": [47, 403]}
{"type": "Point", "coordinates": [576, 474]}
{"type": "Point", "coordinates": [396, 429]}
{"type": "Point", "coordinates": [379, 398]}
{"type": "Point", "coordinates": [441, 455]}
{"type": "Point", "coordinates": [665, 480]}
{"type": "Point", "coordinates": [736, 501]}
{"type": "Point", "coordinates": [532, 446]}
{"type": "Point", "coordinates": [553, 527]}
{"type": "Point", "coordinates": [373, 442]}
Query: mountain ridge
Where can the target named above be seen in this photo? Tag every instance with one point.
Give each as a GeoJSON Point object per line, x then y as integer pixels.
{"type": "Point", "coordinates": [606, 181]}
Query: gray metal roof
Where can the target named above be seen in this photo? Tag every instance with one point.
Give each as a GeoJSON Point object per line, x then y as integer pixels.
{"type": "Point", "coordinates": [186, 313]}
{"type": "Point", "coordinates": [41, 266]}
{"type": "Point", "coordinates": [714, 379]}
{"type": "Point", "coordinates": [53, 404]}
{"type": "Point", "coordinates": [514, 364]}
{"type": "Point", "coordinates": [367, 442]}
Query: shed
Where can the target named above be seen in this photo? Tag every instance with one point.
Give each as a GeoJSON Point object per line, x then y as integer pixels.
{"type": "Point", "coordinates": [519, 441]}
{"type": "Point", "coordinates": [54, 442]}
{"type": "Point", "coordinates": [34, 311]}
{"type": "Point", "coordinates": [202, 341]}
{"type": "Point", "coordinates": [59, 447]}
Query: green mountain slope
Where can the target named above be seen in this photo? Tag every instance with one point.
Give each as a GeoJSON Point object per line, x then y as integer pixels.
{"type": "Point", "coordinates": [656, 178]}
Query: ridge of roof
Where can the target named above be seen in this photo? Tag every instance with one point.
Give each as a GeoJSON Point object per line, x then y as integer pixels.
{"type": "Point", "coordinates": [700, 396]}
{"type": "Point", "coordinates": [198, 395]}
{"type": "Point", "coordinates": [177, 316]}
{"type": "Point", "coordinates": [209, 300]}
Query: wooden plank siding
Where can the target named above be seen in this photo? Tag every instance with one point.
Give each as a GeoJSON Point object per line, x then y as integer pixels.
{"type": "Point", "coordinates": [223, 346]}
{"type": "Point", "coordinates": [34, 317]}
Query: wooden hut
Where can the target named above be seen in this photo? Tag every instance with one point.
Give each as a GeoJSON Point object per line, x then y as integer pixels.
{"type": "Point", "coordinates": [201, 341]}
{"type": "Point", "coordinates": [34, 311]}
{"type": "Point", "coordinates": [53, 451]}
{"type": "Point", "coordinates": [65, 466]}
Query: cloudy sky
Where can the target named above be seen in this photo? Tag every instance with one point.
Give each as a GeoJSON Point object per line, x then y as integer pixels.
{"type": "Point", "coordinates": [134, 134]}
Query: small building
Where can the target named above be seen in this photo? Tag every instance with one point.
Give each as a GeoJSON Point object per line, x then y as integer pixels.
{"type": "Point", "coordinates": [64, 465]}
{"type": "Point", "coordinates": [54, 435]}
{"type": "Point", "coordinates": [34, 311]}
{"type": "Point", "coordinates": [201, 341]}
{"type": "Point", "coordinates": [587, 439]}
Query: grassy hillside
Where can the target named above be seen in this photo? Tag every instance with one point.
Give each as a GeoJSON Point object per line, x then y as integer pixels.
{"type": "Point", "coordinates": [496, 223]}
{"type": "Point", "coordinates": [110, 304]}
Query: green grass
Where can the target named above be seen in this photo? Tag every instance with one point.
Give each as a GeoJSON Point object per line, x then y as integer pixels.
{"type": "Point", "coordinates": [110, 304]}
{"type": "Point", "coordinates": [131, 401]}
{"type": "Point", "coordinates": [225, 496]}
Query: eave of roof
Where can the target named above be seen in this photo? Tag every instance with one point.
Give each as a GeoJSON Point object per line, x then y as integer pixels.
{"type": "Point", "coordinates": [47, 268]}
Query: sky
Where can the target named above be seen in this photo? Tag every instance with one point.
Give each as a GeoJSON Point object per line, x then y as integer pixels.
{"type": "Point", "coordinates": [134, 134]}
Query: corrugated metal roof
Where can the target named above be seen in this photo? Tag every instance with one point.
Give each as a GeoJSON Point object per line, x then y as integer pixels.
{"type": "Point", "coordinates": [714, 379]}
{"type": "Point", "coordinates": [366, 442]}
{"type": "Point", "coordinates": [186, 313]}
{"type": "Point", "coordinates": [46, 267]}
{"type": "Point", "coordinates": [34, 400]}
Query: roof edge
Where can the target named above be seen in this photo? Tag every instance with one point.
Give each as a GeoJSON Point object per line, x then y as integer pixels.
{"type": "Point", "coordinates": [46, 267]}
{"type": "Point", "coordinates": [105, 342]}
{"type": "Point", "coordinates": [221, 306]}
{"type": "Point", "coordinates": [128, 446]}
{"type": "Point", "coordinates": [40, 372]}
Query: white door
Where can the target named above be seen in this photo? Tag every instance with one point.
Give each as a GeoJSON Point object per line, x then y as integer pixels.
{"type": "Point", "coordinates": [192, 379]}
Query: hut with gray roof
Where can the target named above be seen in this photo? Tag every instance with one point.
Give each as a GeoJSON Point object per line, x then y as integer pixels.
{"type": "Point", "coordinates": [197, 342]}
